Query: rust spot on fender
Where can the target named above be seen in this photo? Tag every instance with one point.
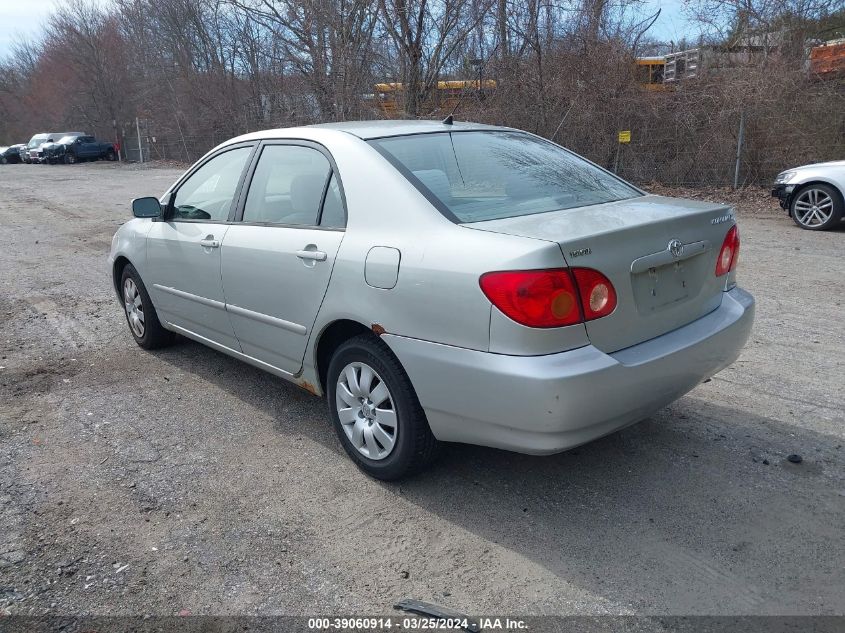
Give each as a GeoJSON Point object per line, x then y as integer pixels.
{"type": "Point", "coordinates": [308, 387]}
{"type": "Point", "coordinates": [378, 330]}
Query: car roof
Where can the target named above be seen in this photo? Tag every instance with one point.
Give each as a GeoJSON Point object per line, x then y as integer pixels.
{"type": "Point", "coordinates": [379, 129]}
{"type": "Point", "coordinates": [365, 130]}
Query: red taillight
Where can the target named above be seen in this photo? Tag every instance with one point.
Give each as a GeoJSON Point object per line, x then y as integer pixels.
{"type": "Point", "coordinates": [536, 298]}
{"type": "Point", "coordinates": [598, 296]}
{"type": "Point", "coordinates": [729, 253]}
{"type": "Point", "coordinates": [550, 298]}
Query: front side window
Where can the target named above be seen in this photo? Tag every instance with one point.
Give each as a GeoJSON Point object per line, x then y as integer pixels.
{"type": "Point", "coordinates": [208, 193]}
{"type": "Point", "coordinates": [477, 176]}
{"type": "Point", "coordinates": [287, 186]}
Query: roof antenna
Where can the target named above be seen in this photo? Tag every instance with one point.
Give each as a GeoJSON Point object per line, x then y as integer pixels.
{"type": "Point", "coordinates": [448, 120]}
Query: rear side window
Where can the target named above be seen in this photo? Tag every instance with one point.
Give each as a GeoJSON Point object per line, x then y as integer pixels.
{"type": "Point", "coordinates": [287, 186]}
{"type": "Point", "coordinates": [477, 176]}
{"type": "Point", "coordinates": [333, 215]}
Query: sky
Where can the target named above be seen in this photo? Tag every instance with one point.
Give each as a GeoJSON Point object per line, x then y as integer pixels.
{"type": "Point", "coordinates": [24, 18]}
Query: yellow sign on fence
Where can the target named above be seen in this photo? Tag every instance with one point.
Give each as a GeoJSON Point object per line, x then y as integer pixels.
{"type": "Point", "coordinates": [625, 136]}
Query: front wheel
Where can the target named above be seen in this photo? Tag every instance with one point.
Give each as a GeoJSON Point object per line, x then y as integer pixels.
{"type": "Point", "coordinates": [110, 155]}
{"type": "Point", "coordinates": [375, 410]}
{"type": "Point", "coordinates": [70, 158]}
{"type": "Point", "coordinates": [141, 316]}
{"type": "Point", "coordinates": [817, 207]}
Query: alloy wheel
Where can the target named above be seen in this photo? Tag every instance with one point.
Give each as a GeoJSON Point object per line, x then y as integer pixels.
{"type": "Point", "coordinates": [813, 207]}
{"type": "Point", "coordinates": [366, 411]}
{"type": "Point", "coordinates": [134, 307]}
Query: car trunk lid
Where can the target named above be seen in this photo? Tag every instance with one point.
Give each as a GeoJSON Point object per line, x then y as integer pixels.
{"type": "Point", "coordinates": [659, 253]}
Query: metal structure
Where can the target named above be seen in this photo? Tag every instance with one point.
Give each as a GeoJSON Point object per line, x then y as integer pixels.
{"type": "Point", "coordinates": [682, 65]}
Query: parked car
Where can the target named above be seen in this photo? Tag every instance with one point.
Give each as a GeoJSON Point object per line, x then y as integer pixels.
{"type": "Point", "coordinates": [33, 145]}
{"type": "Point", "coordinates": [814, 195]}
{"type": "Point", "coordinates": [11, 154]}
{"type": "Point", "coordinates": [438, 282]}
{"type": "Point", "coordinates": [34, 153]}
{"type": "Point", "coordinates": [86, 148]}
{"type": "Point", "coordinates": [54, 152]}
{"type": "Point", "coordinates": [76, 147]}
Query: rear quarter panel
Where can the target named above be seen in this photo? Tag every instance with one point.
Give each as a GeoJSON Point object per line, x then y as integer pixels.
{"type": "Point", "coordinates": [437, 296]}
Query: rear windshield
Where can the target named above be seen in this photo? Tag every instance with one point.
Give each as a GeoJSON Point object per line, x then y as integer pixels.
{"type": "Point", "coordinates": [476, 176]}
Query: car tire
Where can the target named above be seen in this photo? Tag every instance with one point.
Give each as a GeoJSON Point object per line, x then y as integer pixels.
{"type": "Point", "coordinates": [363, 419]}
{"type": "Point", "coordinates": [140, 313]}
{"type": "Point", "coordinates": [816, 207]}
{"type": "Point", "coordinates": [3, 160]}
{"type": "Point", "coordinates": [110, 155]}
{"type": "Point", "coordinates": [70, 158]}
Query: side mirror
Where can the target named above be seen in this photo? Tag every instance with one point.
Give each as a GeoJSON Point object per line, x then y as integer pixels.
{"type": "Point", "coordinates": [146, 207]}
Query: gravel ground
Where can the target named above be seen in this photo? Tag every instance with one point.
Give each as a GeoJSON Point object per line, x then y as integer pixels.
{"type": "Point", "coordinates": [182, 480]}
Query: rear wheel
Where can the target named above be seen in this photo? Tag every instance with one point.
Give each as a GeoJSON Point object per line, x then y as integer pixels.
{"type": "Point", "coordinates": [375, 410]}
{"type": "Point", "coordinates": [141, 316]}
{"type": "Point", "coordinates": [816, 207]}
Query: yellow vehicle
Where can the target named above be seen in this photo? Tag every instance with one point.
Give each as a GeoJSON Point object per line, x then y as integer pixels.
{"type": "Point", "coordinates": [445, 96]}
{"type": "Point", "coordinates": [650, 72]}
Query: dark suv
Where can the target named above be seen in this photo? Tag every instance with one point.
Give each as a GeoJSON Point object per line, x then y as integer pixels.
{"type": "Point", "coordinates": [86, 148]}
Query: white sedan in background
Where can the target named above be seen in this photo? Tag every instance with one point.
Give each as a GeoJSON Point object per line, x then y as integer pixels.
{"type": "Point", "coordinates": [814, 194]}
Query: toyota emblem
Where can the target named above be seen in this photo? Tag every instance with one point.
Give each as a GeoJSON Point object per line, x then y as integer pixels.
{"type": "Point", "coordinates": [676, 247]}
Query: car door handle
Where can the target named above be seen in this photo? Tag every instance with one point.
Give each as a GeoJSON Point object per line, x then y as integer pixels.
{"type": "Point", "coordinates": [317, 256]}
{"type": "Point", "coordinates": [210, 242]}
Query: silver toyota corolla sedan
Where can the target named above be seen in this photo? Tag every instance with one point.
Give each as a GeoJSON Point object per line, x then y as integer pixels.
{"type": "Point", "coordinates": [438, 282]}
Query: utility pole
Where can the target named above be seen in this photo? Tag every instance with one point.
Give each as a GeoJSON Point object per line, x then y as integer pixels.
{"type": "Point", "coordinates": [117, 139]}
{"type": "Point", "coordinates": [140, 149]}
{"type": "Point", "coordinates": [739, 142]}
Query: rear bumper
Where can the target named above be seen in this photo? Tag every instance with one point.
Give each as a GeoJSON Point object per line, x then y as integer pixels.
{"type": "Point", "coordinates": [546, 404]}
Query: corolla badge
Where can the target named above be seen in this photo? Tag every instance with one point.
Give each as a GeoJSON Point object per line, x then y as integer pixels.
{"type": "Point", "coordinates": [722, 218]}
{"type": "Point", "coordinates": [676, 247]}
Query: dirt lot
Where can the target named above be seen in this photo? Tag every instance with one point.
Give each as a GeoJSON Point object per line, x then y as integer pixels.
{"type": "Point", "coordinates": [136, 482]}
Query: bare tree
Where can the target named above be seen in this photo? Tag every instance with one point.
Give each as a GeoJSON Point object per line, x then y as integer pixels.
{"type": "Point", "coordinates": [327, 42]}
{"type": "Point", "coordinates": [426, 34]}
